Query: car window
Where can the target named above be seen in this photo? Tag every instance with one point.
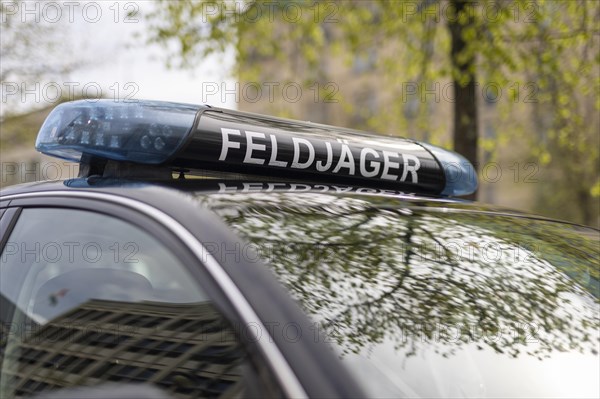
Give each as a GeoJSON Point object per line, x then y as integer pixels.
{"type": "Point", "coordinates": [432, 303]}
{"type": "Point", "coordinates": [90, 299]}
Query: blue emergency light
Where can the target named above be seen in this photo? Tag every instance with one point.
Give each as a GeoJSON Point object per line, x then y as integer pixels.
{"type": "Point", "coordinates": [142, 131]}
{"type": "Point", "coordinates": [196, 137]}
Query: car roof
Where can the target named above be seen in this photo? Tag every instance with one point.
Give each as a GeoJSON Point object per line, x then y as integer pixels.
{"type": "Point", "coordinates": [162, 194]}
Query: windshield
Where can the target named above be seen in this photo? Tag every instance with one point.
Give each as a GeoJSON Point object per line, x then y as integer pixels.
{"type": "Point", "coordinates": [425, 303]}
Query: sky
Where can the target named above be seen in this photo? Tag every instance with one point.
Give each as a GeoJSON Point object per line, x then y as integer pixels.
{"type": "Point", "coordinates": [121, 59]}
{"type": "Point", "coordinates": [119, 65]}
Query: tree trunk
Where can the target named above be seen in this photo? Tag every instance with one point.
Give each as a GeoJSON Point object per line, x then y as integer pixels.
{"type": "Point", "coordinates": [465, 130]}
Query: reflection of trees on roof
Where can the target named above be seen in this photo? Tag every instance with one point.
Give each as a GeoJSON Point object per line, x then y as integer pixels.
{"type": "Point", "coordinates": [185, 349]}
{"type": "Point", "coordinates": [409, 275]}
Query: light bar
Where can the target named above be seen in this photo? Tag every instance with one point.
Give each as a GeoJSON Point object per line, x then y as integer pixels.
{"type": "Point", "coordinates": [461, 177]}
{"type": "Point", "coordinates": [203, 138]}
{"type": "Point", "coordinates": [142, 131]}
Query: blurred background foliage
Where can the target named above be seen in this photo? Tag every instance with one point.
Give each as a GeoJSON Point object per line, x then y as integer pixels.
{"type": "Point", "coordinates": [514, 85]}
{"type": "Point", "coordinates": [510, 82]}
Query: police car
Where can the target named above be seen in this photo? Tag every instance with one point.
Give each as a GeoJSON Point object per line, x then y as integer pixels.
{"type": "Point", "coordinates": [204, 252]}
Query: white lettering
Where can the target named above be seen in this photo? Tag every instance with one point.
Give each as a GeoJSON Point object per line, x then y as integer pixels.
{"type": "Point", "coordinates": [322, 167]}
{"type": "Point", "coordinates": [223, 188]}
{"type": "Point", "coordinates": [339, 189]}
{"type": "Point", "coordinates": [387, 164]}
{"type": "Point", "coordinates": [299, 187]}
{"type": "Point", "coordinates": [364, 190]}
{"type": "Point", "coordinates": [226, 144]}
{"type": "Point", "coordinates": [372, 164]}
{"type": "Point", "coordinates": [274, 186]}
{"type": "Point", "coordinates": [251, 146]}
{"type": "Point", "coordinates": [411, 168]}
{"type": "Point", "coordinates": [321, 187]}
{"type": "Point", "coordinates": [346, 160]}
{"type": "Point", "coordinates": [273, 160]}
{"type": "Point", "coordinates": [252, 187]}
{"type": "Point", "coordinates": [311, 153]}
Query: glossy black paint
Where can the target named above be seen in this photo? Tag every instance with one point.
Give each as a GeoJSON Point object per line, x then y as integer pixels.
{"type": "Point", "coordinates": [156, 190]}
{"type": "Point", "coordinates": [203, 149]}
{"type": "Point", "coordinates": [8, 218]}
{"type": "Point", "coordinates": [313, 362]}
{"type": "Point", "coordinates": [389, 281]}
